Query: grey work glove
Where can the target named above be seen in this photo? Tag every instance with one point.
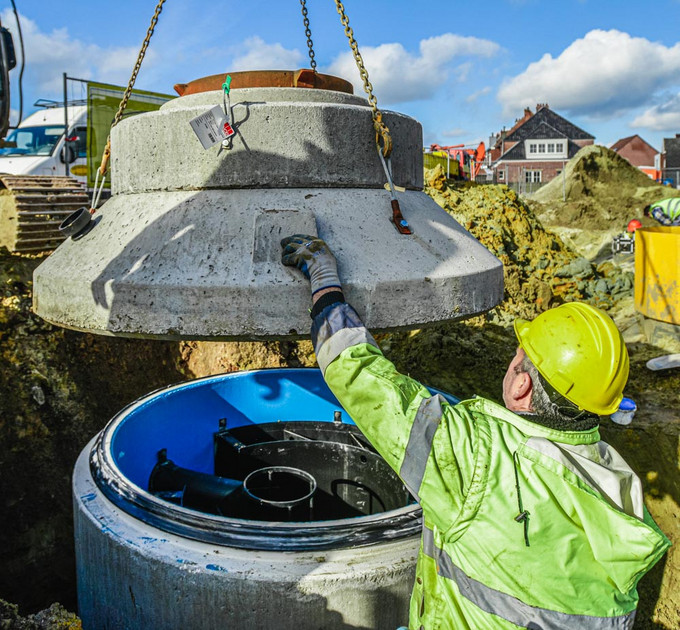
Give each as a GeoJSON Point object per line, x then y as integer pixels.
{"type": "Point", "coordinates": [311, 256]}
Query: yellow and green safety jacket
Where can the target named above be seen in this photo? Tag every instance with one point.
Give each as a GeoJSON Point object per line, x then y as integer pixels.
{"type": "Point", "coordinates": [666, 211]}
{"type": "Point", "coordinates": [524, 526]}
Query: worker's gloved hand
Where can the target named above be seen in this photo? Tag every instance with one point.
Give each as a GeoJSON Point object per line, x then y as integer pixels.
{"type": "Point", "coordinates": [311, 255]}
{"type": "Point", "coordinates": [657, 213]}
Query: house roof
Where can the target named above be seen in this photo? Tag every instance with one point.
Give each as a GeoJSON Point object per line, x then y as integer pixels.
{"type": "Point", "coordinates": [619, 144]}
{"type": "Point", "coordinates": [544, 114]}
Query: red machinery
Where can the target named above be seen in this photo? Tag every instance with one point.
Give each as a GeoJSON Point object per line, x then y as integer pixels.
{"type": "Point", "coordinates": [469, 159]}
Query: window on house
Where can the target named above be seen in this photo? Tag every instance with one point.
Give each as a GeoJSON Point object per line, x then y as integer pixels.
{"type": "Point", "coordinates": [559, 147]}
{"type": "Point", "coordinates": [551, 147]}
{"type": "Point", "coordinates": [541, 148]}
{"type": "Point", "coordinates": [532, 148]}
{"type": "Point", "coordinates": [532, 176]}
{"type": "Point", "coordinates": [501, 176]}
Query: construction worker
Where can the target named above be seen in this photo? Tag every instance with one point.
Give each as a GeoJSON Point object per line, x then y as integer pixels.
{"type": "Point", "coordinates": [530, 521]}
{"type": "Point", "coordinates": [666, 211]}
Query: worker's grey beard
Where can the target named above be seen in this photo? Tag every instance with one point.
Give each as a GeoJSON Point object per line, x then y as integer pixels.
{"type": "Point", "coordinates": [551, 409]}
{"type": "Point", "coordinates": [586, 423]}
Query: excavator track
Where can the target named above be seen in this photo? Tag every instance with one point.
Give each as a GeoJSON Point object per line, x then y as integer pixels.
{"type": "Point", "coordinates": [33, 206]}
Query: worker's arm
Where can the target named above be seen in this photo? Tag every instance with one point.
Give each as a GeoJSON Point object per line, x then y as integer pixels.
{"type": "Point", "coordinates": [429, 443]}
{"type": "Point", "coordinates": [426, 441]}
{"type": "Point", "coordinates": [660, 215]}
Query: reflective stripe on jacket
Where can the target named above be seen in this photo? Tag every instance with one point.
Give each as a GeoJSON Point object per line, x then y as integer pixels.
{"type": "Point", "coordinates": [524, 526]}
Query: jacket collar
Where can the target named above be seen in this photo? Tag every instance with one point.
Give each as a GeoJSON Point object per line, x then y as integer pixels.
{"type": "Point", "coordinates": [527, 427]}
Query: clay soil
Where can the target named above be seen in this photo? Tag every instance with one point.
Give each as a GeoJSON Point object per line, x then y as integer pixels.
{"type": "Point", "coordinates": [58, 388]}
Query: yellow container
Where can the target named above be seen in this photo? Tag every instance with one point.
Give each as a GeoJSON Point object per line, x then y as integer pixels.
{"type": "Point", "coordinates": [657, 273]}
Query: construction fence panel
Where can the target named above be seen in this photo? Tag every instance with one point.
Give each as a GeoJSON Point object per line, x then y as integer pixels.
{"type": "Point", "coordinates": [103, 101]}
{"type": "Point", "coordinates": [450, 165]}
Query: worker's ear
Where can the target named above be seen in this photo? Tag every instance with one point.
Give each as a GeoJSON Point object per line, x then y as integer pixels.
{"type": "Point", "coordinates": [522, 388]}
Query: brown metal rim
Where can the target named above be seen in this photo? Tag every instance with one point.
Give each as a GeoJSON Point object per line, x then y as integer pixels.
{"type": "Point", "coordinates": [304, 78]}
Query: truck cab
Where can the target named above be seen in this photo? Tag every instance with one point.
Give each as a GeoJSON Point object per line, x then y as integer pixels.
{"type": "Point", "coordinates": [40, 147]}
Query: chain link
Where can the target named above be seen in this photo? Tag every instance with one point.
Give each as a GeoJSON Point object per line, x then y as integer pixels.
{"type": "Point", "coordinates": [126, 97]}
{"type": "Point", "coordinates": [381, 130]}
{"type": "Point", "coordinates": [308, 34]}
{"type": "Point", "coordinates": [138, 64]}
{"type": "Point", "coordinates": [128, 90]}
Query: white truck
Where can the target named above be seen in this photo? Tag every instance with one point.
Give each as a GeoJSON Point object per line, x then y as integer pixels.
{"type": "Point", "coordinates": [40, 147]}
{"type": "Point", "coordinates": [43, 172]}
{"type": "Point", "coordinates": [45, 162]}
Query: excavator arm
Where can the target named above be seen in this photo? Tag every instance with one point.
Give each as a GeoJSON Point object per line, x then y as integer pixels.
{"type": "Point", "coordinates": [8, 61]}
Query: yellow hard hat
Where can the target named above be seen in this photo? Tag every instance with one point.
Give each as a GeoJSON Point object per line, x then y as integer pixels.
{"type": "Point", "coordinates": [579, 351]}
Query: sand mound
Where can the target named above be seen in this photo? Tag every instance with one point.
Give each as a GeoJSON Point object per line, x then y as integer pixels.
{"type": "Point", "coordinates": [600, 190]}
{"type": "Point", "coordinates": [539, 269]}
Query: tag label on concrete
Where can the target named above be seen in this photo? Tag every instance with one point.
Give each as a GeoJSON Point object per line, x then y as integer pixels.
{"type": "Point", "coordinates": [212, 127]}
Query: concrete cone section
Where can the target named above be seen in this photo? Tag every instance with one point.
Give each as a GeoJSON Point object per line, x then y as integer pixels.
{"type": "Point", "coordinates": [188, 245]}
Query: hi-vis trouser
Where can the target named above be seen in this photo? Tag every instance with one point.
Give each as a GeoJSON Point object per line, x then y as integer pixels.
{"type": "Point", "coordinates": [524, 526]}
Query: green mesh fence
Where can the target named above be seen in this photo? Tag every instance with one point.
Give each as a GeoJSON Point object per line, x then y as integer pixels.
{"type": "Point", "coordinates": [102, 104]}
{"type": "Point", "coordinates": [450, 166]}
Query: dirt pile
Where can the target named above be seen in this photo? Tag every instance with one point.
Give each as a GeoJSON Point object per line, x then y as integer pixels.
{"type": "Point", "coordinates": [599, 190]}
{"type": "Point", "coordinates": [56, 617]}
{"type": "Point", "coordinates": [57, 390]}
{"type": "Point", "coordinates": [540, 271]}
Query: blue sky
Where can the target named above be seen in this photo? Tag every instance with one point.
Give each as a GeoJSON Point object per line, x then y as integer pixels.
{"type": "Point", "coordinates": [464, 69]}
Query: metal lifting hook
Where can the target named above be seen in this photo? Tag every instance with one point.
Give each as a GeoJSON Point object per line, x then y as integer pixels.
{"type": "Point", "coordinates": [397, 217]}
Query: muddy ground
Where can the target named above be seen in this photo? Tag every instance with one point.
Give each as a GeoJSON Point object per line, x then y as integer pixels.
{"type": "Point", "coordinates": [58, 388]}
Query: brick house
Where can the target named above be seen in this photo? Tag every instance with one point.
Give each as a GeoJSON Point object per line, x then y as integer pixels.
{"type": "Point", "coordinates": [669, 163]}
{"type": "Point", "coordinates": [640, 154]}
{"type": "Point", "coordinates": [536, 149]}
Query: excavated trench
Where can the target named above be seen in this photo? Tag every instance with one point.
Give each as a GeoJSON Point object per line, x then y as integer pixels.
{"type": "Point", "coordinates": [58, 388]}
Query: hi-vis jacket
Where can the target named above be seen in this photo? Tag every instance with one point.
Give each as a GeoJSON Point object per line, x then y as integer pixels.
{"type": "Point", "coordinates": [524, 526]}
{"type": "Point", "coordinates": [667, 211]}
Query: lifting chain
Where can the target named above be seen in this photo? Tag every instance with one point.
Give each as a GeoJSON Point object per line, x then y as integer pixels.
{"type": "Point", "coordinates": [381, 130]}
{"type": "Point", "coordinates": [308, 34]}
{"type": "Point", "coordinates": [128, 91]}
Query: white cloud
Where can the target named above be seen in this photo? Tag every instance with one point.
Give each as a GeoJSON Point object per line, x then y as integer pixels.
{"type": "Point", "coordinates": [475, 95]}
{"type": "Point", "coordinates": [664, 117]}
{"type": "Point", "coordinates": [605, 72]}
{"type": "Point", "coordinates": [49, 55]}
{"type": "Point", "coordinates": [262, 56]}
{"type": "Point", "coordinates": [399, 76]}
{"type": "Point", "coordinates": [455, 133]}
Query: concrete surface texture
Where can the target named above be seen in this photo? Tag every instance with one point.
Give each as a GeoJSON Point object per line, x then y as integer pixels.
{"type": "Point", "coordinates": [188, 246]}
{"type": "Point", "coordinates": [135, 576]}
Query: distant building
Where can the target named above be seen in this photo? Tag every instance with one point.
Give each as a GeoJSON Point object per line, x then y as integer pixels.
{"type": "Point", "coordinates": [535, 149]}
{"type": "Point", "coordinates": [640, 154]}
{"type": "Point", "coordinates": [669, 162]}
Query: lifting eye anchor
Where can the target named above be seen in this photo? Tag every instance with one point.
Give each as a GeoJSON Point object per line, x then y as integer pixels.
{"type": "Point", "coordinates": [397, 217]}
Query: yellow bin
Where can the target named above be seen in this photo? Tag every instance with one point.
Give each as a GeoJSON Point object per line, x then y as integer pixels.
{"type": "Point", "coordinates": [657, 273]}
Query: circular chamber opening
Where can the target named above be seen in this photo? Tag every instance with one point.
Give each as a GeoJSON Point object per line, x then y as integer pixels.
{"type": "Point", "coordinates": [256, 460]}
{"type": "Point", "coordinates": [280, 487]}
